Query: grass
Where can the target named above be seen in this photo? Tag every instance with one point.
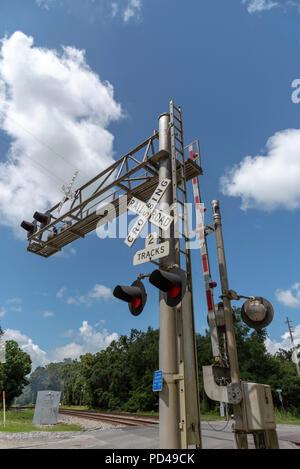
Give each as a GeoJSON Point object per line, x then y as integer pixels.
{"type": "Point", "coordinates": [21, 421]}
{"type": "Point", "coordinates": [286, 418]}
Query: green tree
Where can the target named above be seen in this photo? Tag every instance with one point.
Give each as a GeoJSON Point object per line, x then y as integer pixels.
{"type": "Point", "coordinates": [14, 371]}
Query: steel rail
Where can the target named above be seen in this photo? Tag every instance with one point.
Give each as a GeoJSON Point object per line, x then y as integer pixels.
{"type": "Point", "coordinates": [117, 418]}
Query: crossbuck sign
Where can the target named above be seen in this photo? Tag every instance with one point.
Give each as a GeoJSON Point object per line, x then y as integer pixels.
{"type": "Point", "coordinates": [158, 218]}
{"type": "Point", "coordinates": [146, 214]}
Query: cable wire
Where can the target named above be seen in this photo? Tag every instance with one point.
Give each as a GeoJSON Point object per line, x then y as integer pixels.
{"type": "Point", "coordinates": [40, 141]}
{"type": "Point", "coordinates": [225, 426]}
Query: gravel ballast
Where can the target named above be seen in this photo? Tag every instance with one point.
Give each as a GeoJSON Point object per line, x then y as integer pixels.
{"type": "Point", "coordinates": [86, 425]}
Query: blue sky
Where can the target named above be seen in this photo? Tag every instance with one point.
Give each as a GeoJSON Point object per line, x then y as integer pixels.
{"type": "Point", "coordinates": [83, 82]}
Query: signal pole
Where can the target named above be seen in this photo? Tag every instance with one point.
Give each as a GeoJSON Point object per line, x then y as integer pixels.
{"type": "Point", "coordinates": [295, 360]}
{"type": "Point", "coordinates": [241, 438]}
{"type": "Point", "coordinates": [169, 432]}
{"type": "Point", "coordinates": [264, 438]}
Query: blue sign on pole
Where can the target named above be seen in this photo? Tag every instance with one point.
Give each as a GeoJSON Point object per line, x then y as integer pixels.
{"type": "Point", "coordinates": [158, 380]}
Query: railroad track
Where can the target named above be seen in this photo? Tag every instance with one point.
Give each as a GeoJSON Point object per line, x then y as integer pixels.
{"type": "Point", "coordinates": [117, 418]}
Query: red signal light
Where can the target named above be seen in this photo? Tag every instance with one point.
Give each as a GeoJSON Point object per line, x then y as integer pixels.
{"type": "Point", "coordinates": [136, 301]}
{"type": "Point", "coordinates": [173, 290]}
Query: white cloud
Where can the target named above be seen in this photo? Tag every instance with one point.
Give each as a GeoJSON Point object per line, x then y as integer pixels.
{"type": "Point", "coordinates": [37, 355]}
{"type": "Point", "coordinates": [45, 3]}
{"type": "Point", "coordinates": [60, 292]}
{"type": "Point", "coordinates": [14, 304]}
{"type": "Point", "coordinates": [2, 313]}
{"type": "Point", "coordinates": [254, 6]}
{"type": "Point", "coordinates": [289, 297]}
{"type": "Point", "coordinates": [133, 9]}
{"type": "Point", "coordinates": [100, 291]}
{"type": "Point", "coordinates": [270, 181]}
{"type": "Point", "coordinates": [97, 292]}
{"type": "Point", "coordinates": [48, 314]}
{"type": "Point", "coordinates": [114, 9]}
{"type": "Point", "coordinates": [273, 346]}
{"type": "Point", "coordinates": [17, 309]}
{"type": "Point", "coordinates": [89, 341]}
{"type": "Point", "coordinates": [13, 300]}
{"type": "Point", "coordinates": [55, 110]}
{"type": "Point", "coordinates": [125, 9]}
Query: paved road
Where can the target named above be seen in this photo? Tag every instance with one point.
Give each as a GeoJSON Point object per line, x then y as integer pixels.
{"type": "Point", "coordinates": [147, 438]}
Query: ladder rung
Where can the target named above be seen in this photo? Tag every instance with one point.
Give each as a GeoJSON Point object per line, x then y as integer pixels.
{"type": "Point", "coordinates": [178, 130]}
{"type": "Point", "coordinates": [177, 109]}
{"type": "Point", "coordinates": [182, 252]}
{"type": "Point", "coordinates": [177, 118]}
{"type": "Point", "coordinates": [182, 190]}
{"type": "Point", "coordinates": [178, 139]}
{"type": "Point", "coordinates": [179, 151]}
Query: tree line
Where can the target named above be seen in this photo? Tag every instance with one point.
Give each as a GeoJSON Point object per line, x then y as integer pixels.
{"type": "Point", "coordinates": [120, 377]}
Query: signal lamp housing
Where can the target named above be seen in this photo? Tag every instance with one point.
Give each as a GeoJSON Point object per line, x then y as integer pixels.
{"type": "Point", "coordinates": [135, 295]}
{"type": "Point", "coordinates": [172, 283]}
{"type": "Point", "coordinates": [257, 312]}
{"type": "Point", "coordinates": [43, 218]}
{"type": "Point", "coordinates": [30, 227]}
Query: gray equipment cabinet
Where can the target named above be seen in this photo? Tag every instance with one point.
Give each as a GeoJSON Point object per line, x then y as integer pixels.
{"type": "Point", "coordinates": [46, 408]}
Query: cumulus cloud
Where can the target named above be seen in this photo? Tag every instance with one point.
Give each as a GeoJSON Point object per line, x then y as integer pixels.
{"type": "Point", "coordinates": [97, 292]}
{"type": "Point", "coordinates": [269, 181]}
{"type": "Point", "coordinates": [100, 291]}
{"type": "Point", "coordinates": [37, 355]}
{"type": "Point", "coordinates": [273, 346]}
{"type": "Point", "coordinates": [289, 297]}
{"type": "Point", "coordinates": [55, 111]}
{"type": "Point", "coordinates": [88, 341]}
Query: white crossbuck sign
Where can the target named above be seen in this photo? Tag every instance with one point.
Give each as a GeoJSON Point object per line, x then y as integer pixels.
{"type": "Point", "coordinates": [146, 214]}
{"type": "Point", "coordinates": [158, 218]}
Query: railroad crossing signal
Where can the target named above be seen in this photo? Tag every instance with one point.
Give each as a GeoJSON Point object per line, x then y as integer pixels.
{"type": "Point", "coordinates": [146, 214]}
{"type": "Point", "coordinates": [43, 218]}
{"type": "Point", "coordinates": [135, 295]}
{"type": "Point", "coordinates": [172, 283]}
{"type": "Point", "coordinates": [257, 312]}
{"type": "Point", "coordinates": [30, 227]}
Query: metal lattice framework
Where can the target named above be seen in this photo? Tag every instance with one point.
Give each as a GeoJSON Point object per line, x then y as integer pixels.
{"type": "Point", "coordinates": [102, 198]}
